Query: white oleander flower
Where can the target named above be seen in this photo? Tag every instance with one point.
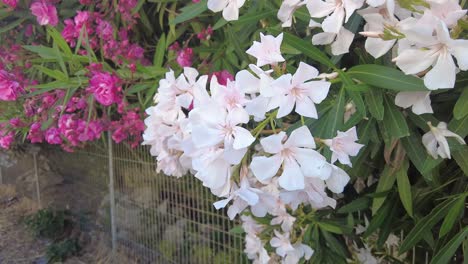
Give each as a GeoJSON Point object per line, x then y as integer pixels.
{"type": "Point", "coordinates": [343, 146]}
{"type": "Point", "coordinates": [286, 11]}
{"type": "Point", "coordinates": [282, 243]}
{"type": "Point", "coordinates": [433, 51]}
{"type": "Point", "coordinates": [297, 156]}
{"type": "Point", "coordinates": [420, 102]}
{"type": "Point", "coordinates": [267, 51]}
{"type": "Point", "coordinates": [297, 90]}
{"type": "Point", "coordinates": [436, 143]}
{"type": "Point", "coordinates": [230, 8]}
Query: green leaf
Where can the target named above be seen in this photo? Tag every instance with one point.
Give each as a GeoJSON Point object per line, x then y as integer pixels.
{"type": "Point", "coordinates": [404, 188]}
{"type": "Point", "coordinates": [461, 107]}
{"type": "Point", "coordinates": [306, 47]}
{"type": "Point", "coordinates": [191, 11]}
{"type": "Point", "coordinates": [379, 217]}
{"type": "Point", "coordinates": [12, 25]}
{"type": "Point", "coordinates": [445, 254]}
{"type": "Point", "coordinates": [452, 216]}
{"type": "Point", "coordinates": [386, 181]}
{"type": "Point", "coordinates": [386, 77]}
{"type": "Point", "coordinates": [330, 227]}
{"type": "Point", "coordinates": [160, 51]}
{"type": "Point", "coordinates": [394, 121]}
{"type": "Point", "coordinates": [333, 120]}
{"type": "Point", "coordinates": [237, 230]}
{"type": "Point", "coordinates": [459, 126]}
{"type": "Point", "coordinates": [374, 100]}
{"type": "Point", "coordinates": [59, 40]}
{"type": "Point", "coordinates": [418, 155]}
{"type": "Point", "coordinates": [44, 52]}
{"type": "Point", "coordinates": [461, 157]}
{"type": "Point", "coordinates": [356, 205]}
{"type": "Point", "coordinates": [56, 74]}
{"type": "Point", "coordinates": [425, 224]}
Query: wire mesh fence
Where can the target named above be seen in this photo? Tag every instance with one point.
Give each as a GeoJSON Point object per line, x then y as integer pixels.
{"type": "Point", "coordinates": [145, 216]}
{"type": "Point", "coordinates": [150, 217]}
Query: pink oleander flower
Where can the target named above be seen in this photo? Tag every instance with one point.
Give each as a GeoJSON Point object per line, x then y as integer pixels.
{"type": "Point", "coordinates": [16, 122]}
{"type": "Point", "coordinates": [11, 3]}
{"type": "Point", "coordinates": [86, 2]}
{"type": "Point", "coordinates": [223, 77]}
{"type": "Point", "coordinates": [205, 33]}
{"type": "Point", "coordinates": [9, 87]}
{"type": "Point", "coordinates": [35, 133]}
{"type": "Point", "coordinates": [130, 128]}
{"type": "Point", "coordinates": [185, 57]}
{"type": "Point", "coordinates": [52, 136]}
{"type": "Point", "coordinates": [7, 140]}
{"type": "Point", "coordinates": [105, 88]}
{"type": "Point", "coordinates": [45, 13]}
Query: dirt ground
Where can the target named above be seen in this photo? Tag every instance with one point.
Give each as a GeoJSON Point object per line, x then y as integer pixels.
{"type": "Point", "coordinates": [17, 244]}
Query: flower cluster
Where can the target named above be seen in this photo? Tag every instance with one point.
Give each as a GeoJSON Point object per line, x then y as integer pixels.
{"type": "Point", "coordinates": [99, 34]}
{"type": "Point", "coordinates": [217, 132]}
{"type": "Point", "coordinates": [419, 31]}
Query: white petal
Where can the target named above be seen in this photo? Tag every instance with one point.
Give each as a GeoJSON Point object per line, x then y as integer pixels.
{"type": "Point", "coordinates": [247, 195]}
{"type": "Point", "coordinates": [273, 144]}
{"type": "Point", "coordinates": [237, 116]}
{"type": "Point", "coordinates": [221, 204]}
{"type": "Point", "coordinates": [378, 47]}
{"type": "Point", "coordinates": [264, 168]}
{"type": "Point", "coordinates": [423, 106]}
{"type": "Point", "coordinates": [459, 49]}
{"type": "Point", "coordinates": [318, 8]}
{"type": "Point", "coordinates": [292, 177]}
{"type": "Point", "coordinates": [306, 107]}
{"type": "Point", "coordinates": [430, 143]}
{"type": "Point", "coordinates": [217, 5]}
{"type": "Point", "coordinates": [234, 156]}
{"type": "Point", "coordinates": [317, 90]}
{"type": "Point", "coordinates": [304, 73]}
{"type": "Point", "coordinates": [323, 38]}
{"type": "Point", "coordinates": [203, 136]}
{"type": "Point", "coordinates": [242, 138]}
{"type": "Point", "coordinates": [413, 61]}
{"type": "Point", "coordinates": [442, 75]}
{"type": "Point", "coordinates": [313, 164]}
{"type": "Point", "coordinates": [286, 106]}
{"type": "Point", "coordinates": [342, 42]}
{"type": "Point", "coordinates": [301, 137]}
{"type": "Point", "coordinates": [334, 22]}
{"type": "Point", "coordinates": [351, 6]}
{"type": "Point", "coordinates": [338, 180]}
{"type": "Point", "coordinates": [231, 12]}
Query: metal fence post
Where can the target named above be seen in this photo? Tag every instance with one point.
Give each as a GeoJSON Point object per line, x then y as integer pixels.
{"type": "Point", "coordinates": [36, 174]}
{"type": "Point", "coordinates": [112, 195]}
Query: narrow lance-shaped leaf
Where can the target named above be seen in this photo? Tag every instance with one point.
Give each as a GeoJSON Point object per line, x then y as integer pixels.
{"type": "Point", "coordinates": [386, 77]}
{"type": "Point", "coordinates": [404, 188]}
{"type": "Point", "coordinates": [453, 214]}
{"type": "Point", "coordinates": [425, 224]}
{"type": "Point", "coordinates": [191, 11]}
{"type": "Point", "coordinates": [394, 121]}
{"type": "Point", "coordinates": [445, 254]}
{"type": "Point", "coordinates": [374, 100]}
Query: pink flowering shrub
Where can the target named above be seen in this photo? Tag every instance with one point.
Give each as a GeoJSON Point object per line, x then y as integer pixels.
{"type": "Point", "coordinates": [333, 130]}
